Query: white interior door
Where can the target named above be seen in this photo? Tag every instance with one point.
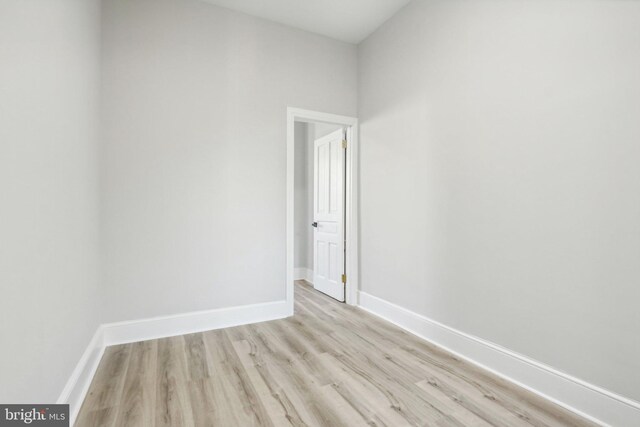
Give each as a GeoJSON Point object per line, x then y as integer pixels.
{"type": "Point", "coordinates": [328, 214]}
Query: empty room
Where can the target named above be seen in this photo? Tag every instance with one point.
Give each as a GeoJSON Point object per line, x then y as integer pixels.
{"type": "Point", "coordinates": [320, 213]}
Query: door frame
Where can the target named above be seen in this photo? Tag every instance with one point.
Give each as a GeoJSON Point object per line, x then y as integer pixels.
{"type": "Point", "coordinates": [351, 197]}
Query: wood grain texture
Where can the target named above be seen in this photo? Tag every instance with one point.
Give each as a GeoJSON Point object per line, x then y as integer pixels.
{"type": "Point", "coordinates": [329, 365]}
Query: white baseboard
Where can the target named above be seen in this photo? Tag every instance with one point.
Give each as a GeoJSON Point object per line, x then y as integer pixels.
{"type": "Point", "coordinates": [78, 384]}
{"type": "Point", "coordinates": [188, 323]}
{"type": "Point", "coordinates": [302, 273]}
{"type": "Point", "coordinates": [108, 334]}
{"type": "Point", "coordinates": [587, 400]}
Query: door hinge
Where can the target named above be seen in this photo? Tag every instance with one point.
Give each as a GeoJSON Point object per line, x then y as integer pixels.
{"type": "Point", "coordinates": [344, 143]}
{"type": "Point", "coordinates": [344, 278]}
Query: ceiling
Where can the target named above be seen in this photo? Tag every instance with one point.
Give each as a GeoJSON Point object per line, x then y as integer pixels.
{"type": "Point", "coordinates": [347, 20]}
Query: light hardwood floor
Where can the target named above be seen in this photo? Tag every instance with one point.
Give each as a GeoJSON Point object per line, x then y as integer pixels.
{"type": "Point", "coordinates": [329, 365]}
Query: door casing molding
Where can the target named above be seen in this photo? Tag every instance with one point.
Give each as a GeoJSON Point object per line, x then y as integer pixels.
{"type": "Point", "coordinates": [351, 209]}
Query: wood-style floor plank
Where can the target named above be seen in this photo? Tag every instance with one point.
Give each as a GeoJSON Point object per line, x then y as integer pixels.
{"type": "Point", "coordinates": [329, 365]}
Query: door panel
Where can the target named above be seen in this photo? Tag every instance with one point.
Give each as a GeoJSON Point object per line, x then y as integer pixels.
{"type": "Point", "coordinates": [328, 236]}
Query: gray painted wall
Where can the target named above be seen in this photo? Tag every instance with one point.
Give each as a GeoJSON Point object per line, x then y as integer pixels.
{"type": "Point", "coordinates": [499, 157]}
{"type": "Point", "coordinates": [303, 257]}
{"type": "Point", "coordinates": [49, 83]}
{"type": "Point", "coordinates": [500, 182]}
{"type": "Point", "coordinates": [194, 167]}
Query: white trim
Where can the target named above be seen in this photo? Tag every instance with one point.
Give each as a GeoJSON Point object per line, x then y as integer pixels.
{"type": "Point", "coordinates": [78, 384]}
{"type": "Point", "coordinates": [587, 400]}
{"type": "Point", "coordinates": [351, 217]}
{"type": "Point", "coordinates": [188, 323]}
{"type": "Point", "coordinates": [302, 273]}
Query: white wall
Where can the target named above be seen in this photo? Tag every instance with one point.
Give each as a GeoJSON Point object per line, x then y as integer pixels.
{"type": "Point", "coordinates": [323, 129]}
{"type": "Point", "coordinates": [507, 131]}
{"type": "Point", "coordinates": [194, 170]}
{"type": "Point", "coordinates": [303, 189]}
{"type": "Point", "coordinates": [499, 156]}
{"type": "Point", "coordinates": [49, 82]}
{"type": "Point", "coordinates": [309, 170]}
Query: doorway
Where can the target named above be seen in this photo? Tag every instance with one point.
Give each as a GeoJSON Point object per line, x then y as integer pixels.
{"type": "Point", "coordinates": [322, 239]}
